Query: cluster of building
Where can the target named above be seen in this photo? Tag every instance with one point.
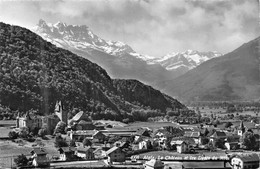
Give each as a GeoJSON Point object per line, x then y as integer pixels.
{"type": "Point", "coordinates": [31, 122]}
{"type": "Point", "coordinates": [80, 127]}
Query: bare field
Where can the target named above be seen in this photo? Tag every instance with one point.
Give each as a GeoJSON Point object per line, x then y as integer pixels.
{"type": "Point", "coordinates": [206, 111]}
{"type": "Point", "coordinates": [9, 150]}
{"type": "Point", "coordinates": [5, 123]}
{"type": "Point", "coordinates": [151, 125]}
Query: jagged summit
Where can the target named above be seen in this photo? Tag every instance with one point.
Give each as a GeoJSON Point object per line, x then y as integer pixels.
{"type": "Point", "coordinates": [78, 36]}
{"type": "Point", "coordinates": [118, 58]}
{"type": "Point", "coordinates": [82, 38]}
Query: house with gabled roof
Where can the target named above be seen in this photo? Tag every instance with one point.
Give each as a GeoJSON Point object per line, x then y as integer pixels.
{"type": "Point", "coordinates": [85, 153]}
{"type": "Point", "coordinates": [145, 144]}
{"type": "Point", "coordinates": [99, 136]}
{"type": "Point", "coordinates": [100, 152]}
{"type": "Point", "coordinates": [143, 132]}
{"type": "Point", "coordinates": [182, 146]}
{"type": "Point", "coordinates": [115, 154]}
{"type": "Point", "coordinates": [77, 135]}
{"type": "Point", "coordinates": [218, 135]}
{"type": "Point", "coordinates": [67, 153]}
{"type": "Point", "coordinates": [194, 135]}
{"type": "Point", "coordinates": [39, 157]}
{"type": "Point", "coordinates": [154, 164]}
{"type": "Point", "coordinates": [240, 161]}
{"type": "Point", "coordinates": [124, 144]}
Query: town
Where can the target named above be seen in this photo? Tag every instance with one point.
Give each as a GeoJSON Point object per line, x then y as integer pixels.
{"type": "Point", "coordinates": [57, 141]}
{"type": "Point", "coordinates": [129, 84]}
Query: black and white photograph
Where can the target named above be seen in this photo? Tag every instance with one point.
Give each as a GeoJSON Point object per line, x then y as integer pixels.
{"type": "Point", "coordinates": [129, 84]}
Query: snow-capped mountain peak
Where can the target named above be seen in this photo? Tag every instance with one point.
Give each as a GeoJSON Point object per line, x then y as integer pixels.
{"type": "Point", "coordinates": [79, 37]}
{"type": "Point", "coordinates": [186, 60]}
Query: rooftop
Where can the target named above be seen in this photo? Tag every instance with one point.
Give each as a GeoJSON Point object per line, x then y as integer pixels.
{"type": "Point", "coordinates": [154, 163]}
{"type": "Point", "coordinates": [39, 151]}
{"type": "Point", "coordinates": [111, 150]}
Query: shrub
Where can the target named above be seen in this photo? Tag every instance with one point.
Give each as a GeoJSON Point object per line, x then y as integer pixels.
{"type": "Point", "coordinates": [42, 132]}
{"type": "Point", "coordinates": [13, 135]}
{"type": "Point", "coordinates": [60, 142]}
{"type": "Point", "coordinates": [21, 160]}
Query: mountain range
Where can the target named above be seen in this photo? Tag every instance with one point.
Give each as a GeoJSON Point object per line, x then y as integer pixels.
{"type": "Point", "coordinates": [35, 74]}
{"type": "Point", "coordinates": [234, 76]}
{"type": "Point", "coordinates": [190, 75]}
{"type": "Point", "coordinates": [183, 61]}
{"type": "Point", "coordinates": [118, 58]}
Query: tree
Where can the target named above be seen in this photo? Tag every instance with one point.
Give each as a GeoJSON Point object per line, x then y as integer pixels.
{"type": "Point", "coordinates": [42, 132]}
{"type": "Point", "coordinates": [232, 138]}
{"type": "Point", "coordinates": [35, 131]}
{"type": "Point", "coordinates": [60, 127]}
{"type": "Point", "coordinates": [87, 142]}
{"type": "Point", "coordinates": [24, 132]}
{"type": "Point", "coordinates": [211, 146]}
{"type": "Point", "coordinates": [155, 145]}
{"type": "Point", "coordinates": [249, 141]}
{"type": "Point", "coordinates": [60, 142]}
{"type": "Point", "coordinates": [228, 124]}
{"type": "Point", "coordinates": [204, 140]}
{"type": "Point", "coordinates": [168, 143]}
{"type": "Point", "coordinates": [219, 143]}
{"type": "Point", "coordinates": [21, 160]}
{"type": "Point", "coordinates": [113, 139]}
{"type": "Point", "coordinates": [215, 123]}
{"type": "Point", "coordinates": [72, 143]}
{"type": "Point", "coordinates": [13, 135]}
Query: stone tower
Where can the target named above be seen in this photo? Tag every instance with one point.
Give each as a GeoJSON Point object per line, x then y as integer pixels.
{"type": "Point", "coordinates": [63, 115]}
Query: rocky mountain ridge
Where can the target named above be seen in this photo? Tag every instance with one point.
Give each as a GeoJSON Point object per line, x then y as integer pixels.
{"type": "Point", "coordinates": [118, 58]}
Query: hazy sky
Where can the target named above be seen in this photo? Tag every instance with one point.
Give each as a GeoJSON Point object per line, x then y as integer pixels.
{"type": "Point", "coordinates": [153, 27]}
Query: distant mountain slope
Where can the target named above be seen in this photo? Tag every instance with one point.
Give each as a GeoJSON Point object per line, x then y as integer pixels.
{"type": "Point", "coordinates": [184, 61]}
{"type": "Point", "coordinates": [119, 59]}
{"type": "Point", "coordinates": [234, 76]}
{"type": "Point", "coordinates": [34, 74]}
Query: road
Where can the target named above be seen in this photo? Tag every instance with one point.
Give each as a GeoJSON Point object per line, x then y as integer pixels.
{"type": "Point", "coordinates": [93, 163]}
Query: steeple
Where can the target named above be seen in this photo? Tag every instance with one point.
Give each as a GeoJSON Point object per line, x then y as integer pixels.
{"type": "Point", "coordinates": [241, 129]}
{"type": "Point", "coordinates": [61, 113]}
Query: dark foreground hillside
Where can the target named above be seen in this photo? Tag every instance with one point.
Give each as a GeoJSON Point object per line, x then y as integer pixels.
{"type": "Point", "coordinates": [34, 74]}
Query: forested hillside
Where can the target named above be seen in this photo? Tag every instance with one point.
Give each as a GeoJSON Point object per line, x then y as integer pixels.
{"type": "Point", "coordinates": [34, 74]}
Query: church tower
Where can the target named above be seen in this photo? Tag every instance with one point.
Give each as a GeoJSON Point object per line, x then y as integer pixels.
{"type": "Point", "coordinates": [241, 129]}
{"type": "Point", "coordinates": [60, 113]}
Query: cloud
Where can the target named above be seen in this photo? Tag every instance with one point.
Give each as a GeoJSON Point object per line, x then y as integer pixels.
{"type": "Point", "coordinates": [153, 27]}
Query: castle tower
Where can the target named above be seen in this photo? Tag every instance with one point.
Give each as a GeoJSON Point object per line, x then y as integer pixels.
{"type": "Point", "coordinates": [241, 129]}
{"type": "Point", "coordinates": [63, 116]}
